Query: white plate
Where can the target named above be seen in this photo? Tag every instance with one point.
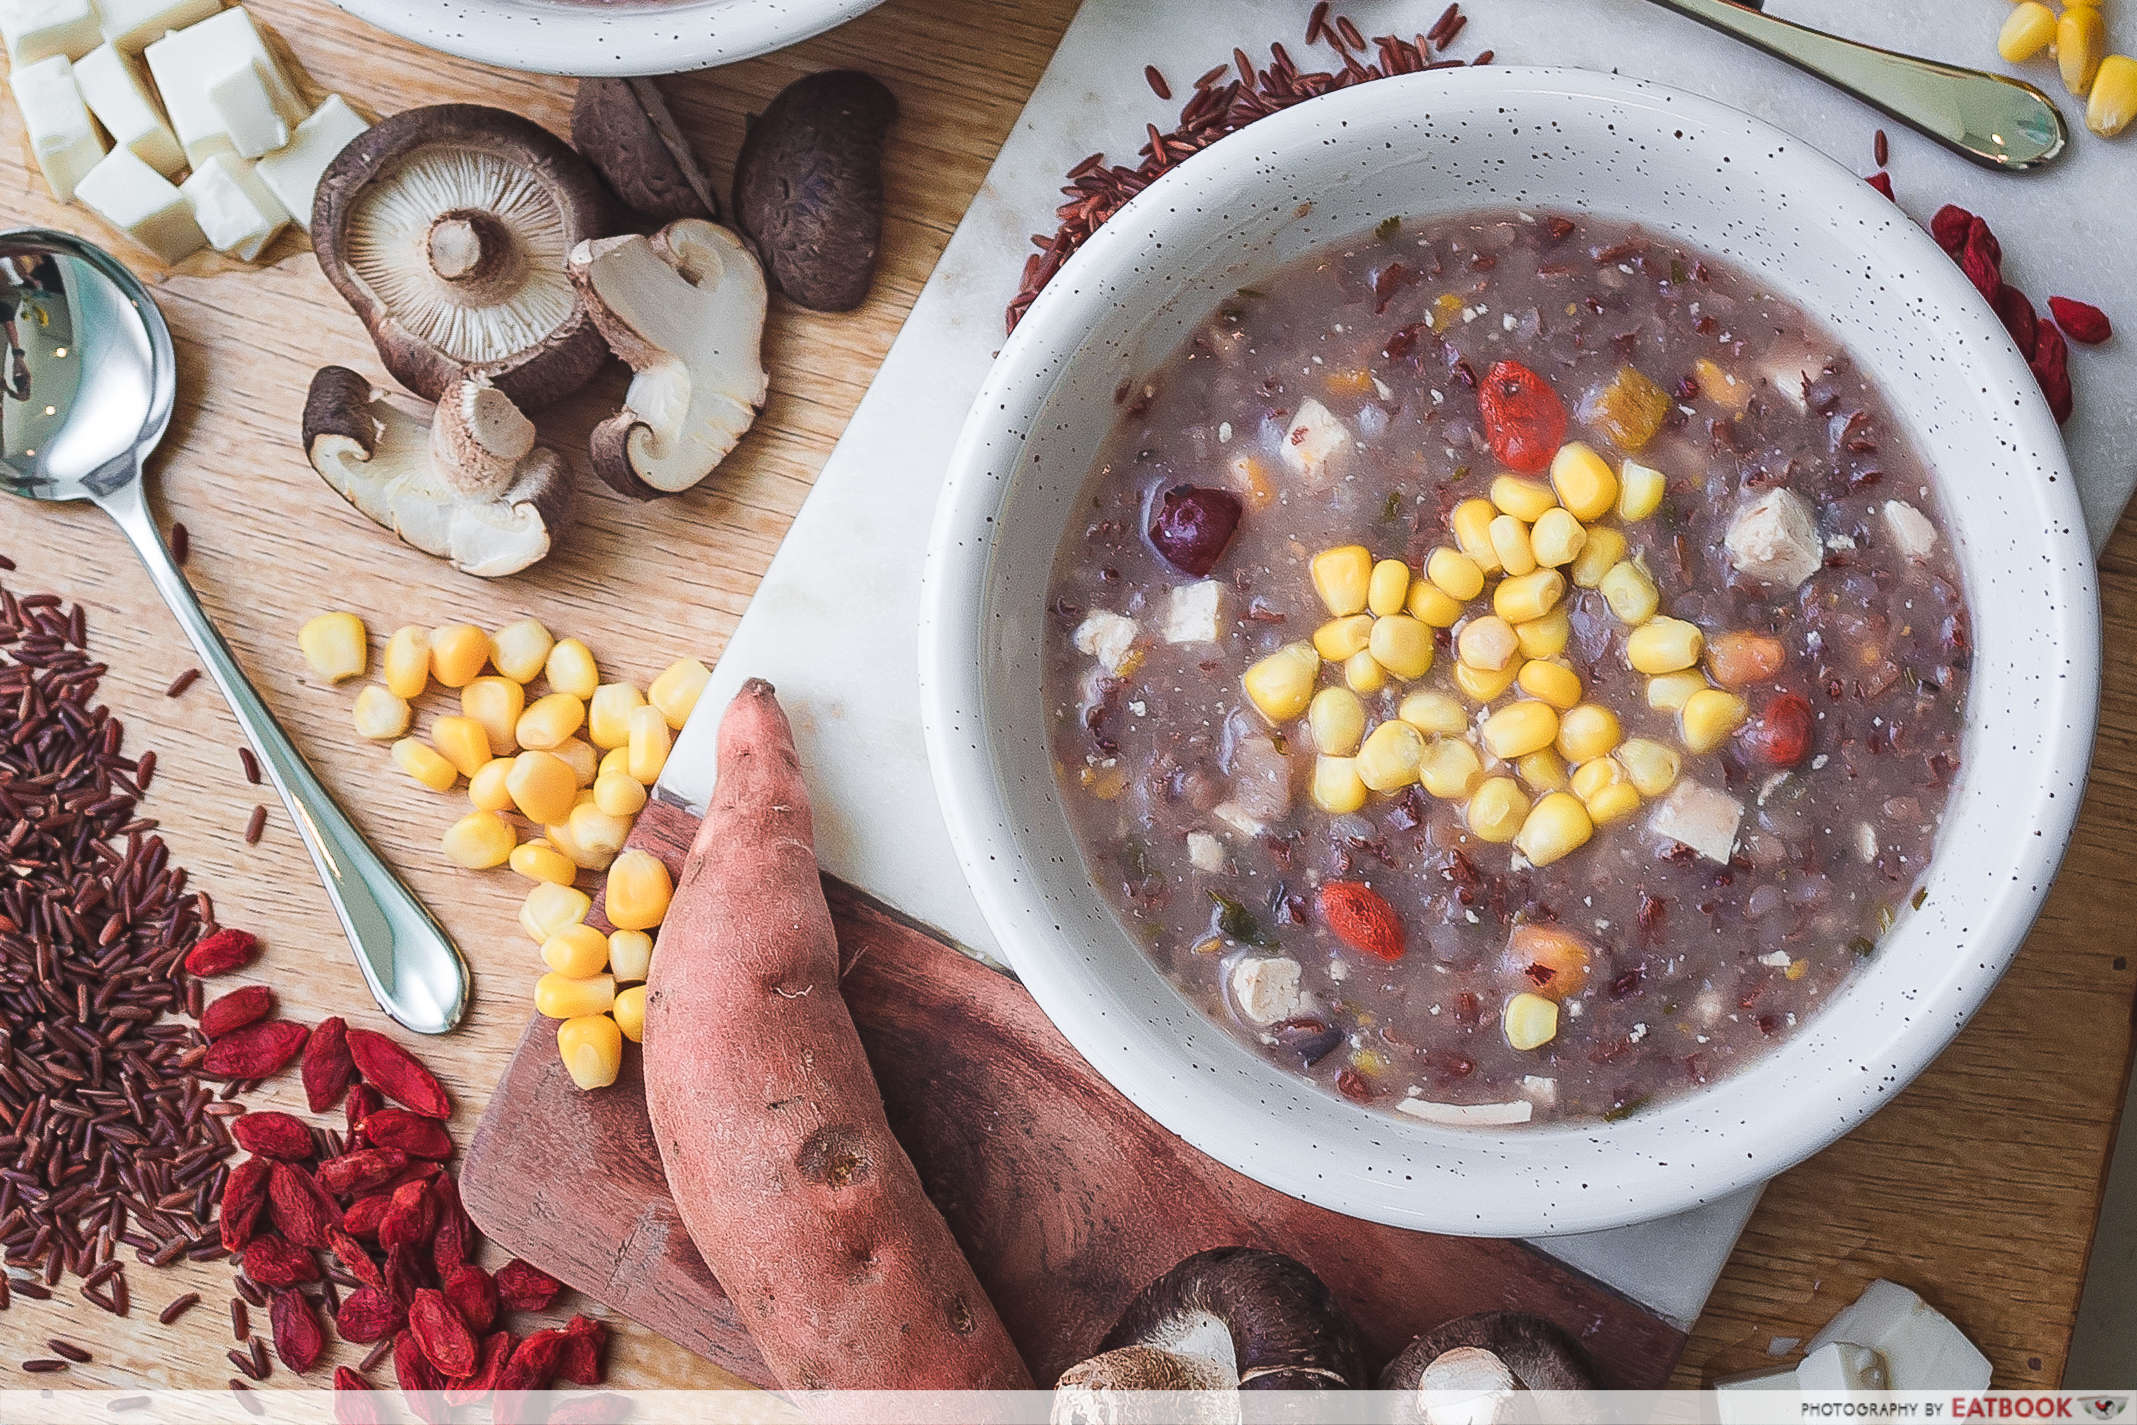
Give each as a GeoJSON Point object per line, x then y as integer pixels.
{"type": "Point", "coordinates": [1453, 141]}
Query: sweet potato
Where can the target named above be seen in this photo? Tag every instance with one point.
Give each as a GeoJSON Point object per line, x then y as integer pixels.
{"type": "Point", "coordinates": [768, 1117]}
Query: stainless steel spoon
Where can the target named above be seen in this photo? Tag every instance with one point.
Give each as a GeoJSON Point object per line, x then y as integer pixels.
{"type": "Point", "coordinates": [1997, 122]}
{"type": "Point", "coordinates": [89, 380]}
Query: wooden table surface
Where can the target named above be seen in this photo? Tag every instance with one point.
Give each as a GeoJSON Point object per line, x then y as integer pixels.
{"type": "Point", "coordinates": [1978, 1186]}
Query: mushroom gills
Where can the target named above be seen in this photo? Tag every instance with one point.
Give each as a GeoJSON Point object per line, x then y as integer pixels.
{"type": "Point", "coordinates": [1285, 1329]}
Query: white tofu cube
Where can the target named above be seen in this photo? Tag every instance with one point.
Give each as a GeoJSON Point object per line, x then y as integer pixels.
{"type": "Point", "coordinates": [39, 29]}
{"type": "Point", "coordinates": [61, 133]}
{"type": "Point", "coordinates": [1922, 1349]}
{"type": "Point", "coordinates": [1238, 818]}
{"type": "Point", "coordinates": [292, 172]}
{"type": "Point", "coordinates": [1843, 1366]}
{"type": "Point", "coordinates": [1194, 613]}
{"type": "Point", "coordinates": [1205, 852]}
{"type": "Point", "coordinates": [134, 25]}
{"type": "Point", "coordinates": [1267, 988]}
{"type": "Point", "coordinates": [1775, 541]}
{"type": "Point", "coordinates": [1108, 637]}
{"type": "Point", "coordinates": [143, 204]}
{"type": "Point", "coordinates": [186, 63]}
{"type": "Point", "coordinates": [1312, 442]}
{"type": "Point", "coordinates": [1911, 532]}
{"type": "Point", "coordinates": [1767, 1398]}
{"type": "Point", "coordinates": [1699, 817]}
{"type": "Point", "coordinates": [233, 207]}
{"type": "Point", "coordinates": [116, 91]}
{"type": "Point", "coordinates": [240, 99]}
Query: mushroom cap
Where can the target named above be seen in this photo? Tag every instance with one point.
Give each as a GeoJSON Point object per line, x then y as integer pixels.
{"type": "Point", "coordinates": [1285, 1328]}
{"type": "Point", "coordinates": [624, 128]}
{"type": "Point", "coordinates": [446, 229]}
{"type": "Point", "coordinates": [1537, 1354]}
{"type": "Point", "coordinates": [809, 186]}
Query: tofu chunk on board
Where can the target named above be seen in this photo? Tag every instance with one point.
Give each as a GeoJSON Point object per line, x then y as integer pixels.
{"type": "Point", "coordinates": [1775, 541]}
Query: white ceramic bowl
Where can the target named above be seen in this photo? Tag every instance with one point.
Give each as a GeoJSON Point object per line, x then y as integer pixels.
{"type": "Point", "coordinates": [1446, 142]}
{"type": "Point", "coordinates": [607, 37]}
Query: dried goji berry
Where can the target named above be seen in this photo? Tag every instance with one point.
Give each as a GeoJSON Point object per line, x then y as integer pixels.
{"type": "Point", "coordinates": [525, 1288]}
{"type": "Point", "coordinates": [456, 1239]}
{"type": "Point", "coordinates": [442, 1334]}
{"type": "Point", "coordinates": [244, 1199]}
{"type": "Point", "coordinates": [598, 1408]}
{"type": "Point", "coordinates": [419, 1380]}
{"type": "Point", "coordinates": [412, 1218]}
{"type": "Point", "coordinates": [2051, 367]}
{"type": "Point", "coordinates": [364, 1214]}
{"type": "Point", "coordinates": [419, 1170]}
{"type": "Point", "coordinates": [301, 1210]}
{"type": "Point", "coordinates": [2019, 318]}
{"type": "Point", "coordinates": [354, 1400]}
{"type": "Point", "coordinates": [496, 1350]}
{"type": "Point", "coordinates": [360, 1171]}
{"type": "Point", "coordinates": [473, 1293]}
{"type": "Point", "coordinates": [328, 1069]}
{"type": "Point", "coordinates": [580, 1360]}
{"type": "Point", "coordinates": [405, 1273]}
{"type": "Point", "coordinates": [354, 1259]}
{"type": "Point", "coordinates": [1949, 227]}
{"type": "Point", "coordinates": [1523, 417]}
{"type": "Point", "coordinates": [255, 1051]}
{"type": "Point", "coordinates": [299, 1338]}
{"type": "Point", "coordinates": [1982, 259]}
{"type": "Point", "coordinates": [226, 950]}
{"type": "Point", "coordinates": [394, 1072]}
{"type": "Point", "coordinates": [237, 1009]}
{"type": "Point", "coordinates": [534, 1362]}
{"type": "Point", "coordinates": [363, 1101]}
{"type": "Point", "coordinates": [1882, 182]}
{"type": "Point", "coordinates": [2081, 321]}
{"type": "Point", "coordinates": [1361, 919]}
{"type": "Point", "coordinates": [406, 1132]}
{"type": "Point", "coordinates": [368, 1314]}
{"type": "Point", "coordinates": [273, 1135]}
{"type": "Point", "coordinates": [274, 1263]}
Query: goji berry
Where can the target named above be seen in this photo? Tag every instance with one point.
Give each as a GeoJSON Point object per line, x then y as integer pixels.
{"type": "Point", "coordinates": [2051, 367]}
{"type": "Point", "coordinates": [1982, 259]}
{"type": "Point", "coordinates": [365, 1214]}
{"type": "Point", "coordinates": [275, 1263]}
{"type": "Point", "coordinates": [353, 1258]}
{"type": "Point", "coordinates": [405, 1273]}
{"type": "Point", "coordinates": [244, 1199]}
{"type": "Point", "coordinates": [454, 1245]}
{"type": "Point", "coordinates": [360, 1171]}
{"type": "Point", "coordinates": [1361, 919]}
{"type": "Point", "coordinates": [1523, 418]}
{"type": "Point", "coordinates": [473, 1293]}
{"type": "Point", "coordinates": [394, 1072]}
{"type": "Point", "coordinates": [299, 1338]}
{"type": "Point", "coordinates": [368, 1314]}
{"type": "Point", "coordinates": [442, 1334]}
{"type": "Point", "coordinates": [273, 1135]}
{"type": "Point", "coordinates": [533, 1364]}
{"type": "Point", "coordinates": [328, 1068]}
{"type": "Point", "coordinates": [226, 950]}
{"type": "Point", "coordinates": [419, 1380]}
{"type": "Point", "coordinates": [1882, 182]}
{"type": "Point", "coordinates": [2081, 321]}
{"type": "Point", "coordinates": [302, 1210]}
{"type": "Point", "coordinates": [237, 1009]}
{"type": "Point", "coordinates": [363, 1101]}
{"type": "Point", "coordinates": [1949, 227]}
{"type": "Point", "coordinates": [354, 1400]}
{"type": "Point", "coordinates": [580, 1360]}
{"type": "Point", "coordinates": [526, 1288]}
{"type": "Point", "coordinates": [255, 1051]}
{"type": "Point", "coordinates": [406, 1132]}
{"type": "Point", "coordinates": [2019, 318]}
{"type": "Point", "coordinates": [496, 1350]}
{"type": "Point", "coordinates": [412, 1218]}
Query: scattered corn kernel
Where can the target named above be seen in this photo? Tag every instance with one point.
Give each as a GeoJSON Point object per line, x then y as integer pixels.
{"type": "Point", "coordinates": [1553, 683]}
{"type": "Point", "coordinates": [537, 860]}
{"type": "Point", "coordinates": [1545, 637]}
{"type": "Point", "coordinates": [1430, 712]}
{"type": "Point", "coordinates": [1432, 605]}
{"type": "Point", "coordinates": [496, 703]}
{"type": "Point", "coordinates": [1519, 728]}
{"type": "Point", "coordinates": [608, 715]}
{"type": "Point", "coordinates": [336, 646]}
{"type": "Point", "coordinates": [1630, 593]}
{"type": "Point", "coordinates": [1671, 691]}
{"type": "Point", "coordinates": [564, 997]}
{"type": "Point", "coordinates": [405, 665]}
{"type": "Point", "coordinates": [2080, 46]}
{"type": "Point", "coordinates": [1487, 644]}
{"type": "Point", "coordinates": [1339, 638]}
{"type": "Point", "coordinates": [1640, 489]}
{"type": "Point", "coordinates": [462, 742]}
{"type": "Point", "coordinates": [550, 907]}
{"type": "Point", "coordinates": [1455, 574]}
{"type": "Point", "coordinates": [1664, 645]}
{"type": "Point", "coordinates": [542, 786]}
{"type": "Point", "coordinates": [487, 789]}
{"type": "Point", "coordinates": [591, 1046]}
{"type": "Point", "coordinates": [570, 669]}
{"type": "Point", "coordinates": [1530, 1020]}
{"type": "Point", "coordinates": [1525, 500]}
{"type": "Point", "coordinates": [1629, 411]}
{"type": "Point", "coordinates": [479, 840]}
{"type": "Point", "coordinates": [616, 760]}
{"type": "Point", "coordinates": [1471, 526]}
{"type": "Point", "coordinates": [1589, 730]}
{"type": "Point", "coordinates": [1337, 720]}
{"type": "Point", "coordinates": [1363, 673]}
{"type": "Point", "coordinates": [1613, 803]}
{"type": "Point", "coordinates": [1510, 541]}
{"type": "Point", "coordinates": [576, 951]}
{"type": "Point", "coordinates": [1543, 769]}
{"type": "Point", "coordinates": [1523, 597]}
{"type": "Point", "coordinates": [585, 858]}
{"type": "Point", "coordinates": [552, 719]}
{"type": "Point", "coordinates": [1390, 756]}
{"type": "Point", "coordinates": [1557, 539]}
{"type": "Point", "coordinates": [1708, 717]}
{"type": "Point", "coordinates": [521, 650]}
{"type": "Point", "coordinates": [457, 653]}
{"type": "Point", "coordinates": [1342, 577]}
{"type": "Point", "coordinates": [1337, 787]}
{"type": "Point", "coordinates": [623, 796]}
{"type": "Point", "coordinates": [1450, 768]}
{"type": "Point", "coordinates": [630, 954]}
{"type": "Point", "coordinates": [1496, 810]}
{"type": "Point", "coordinates": [1605, 547]}
{"type": "Point", "coordinates": [379, 714]}
{"type": "Point", "coordinates": [1651, 767]}
{"type": "Point", "coordinates": [1483, 684]}
{"type": "Point", "coordinates": [1389, 588]}
{"type": "Point", "coordinates": [1402, 645]}
{"type": "Point", "coordinates": [595, 833]}
{"type": "Point", "coordinates": [1558, 826]}
{"type": "Point", "coordinates": [1280, 685]}
{"type": "Point", "coordinates": [638, 891]}
{"type": "Point", "coordinates": [1583, 480]}
{"type": "Point", "coordinates": [421, 761]}
{"type": "Point", "coordinates": [579, 755]}
{"type": "Point", "coordinates": [675, 692]}
{"type": "Point", "coordinates": [2113, 101]}
{"type": "Point", "coordinates": [629, 1012]}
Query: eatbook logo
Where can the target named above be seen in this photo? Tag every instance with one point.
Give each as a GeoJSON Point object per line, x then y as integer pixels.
{"type": "Point", "coordinates": [2106, 1407]}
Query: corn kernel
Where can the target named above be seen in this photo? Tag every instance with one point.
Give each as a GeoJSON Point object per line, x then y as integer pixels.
{"type": "Point", "coordinates": [1671, 691]}
{"type": "Point", "coordinates": [1558, 826]}
{"type": "Point", "coordinates": [1487, 644]}
{"type": "Point", "coordinates": [608, 717]}
{"type": "Point", "coordinates": [1363, 674]}
{"type": "Point", "coordinates": [675, 692]}
{"type": "Point", "coordinates": [2113, 101]}
{"type": "Point", "coordinates": [457, 653]}
{"type": "Point", "coordinates": [591, 1046]}
{"type": "Point", "coordinates": [1545, 637]}
{"type": "Point", "coordinates": [1720, 387]}
{"type": "Point", "coordinates": [1339, 638]}
{"type": "Point", "coordinates": [586, 858]}
{"type": "Point", "coordinates": [1525, 500]}
{"type": "Point", "coordinates": [1342, 577]}
{"type": "Point", "coordinates": [1455, 574]}
{"type": "Point", "coordinates": [1403, 646]}
{"type": "Point", "coordinates": [1471, 526]}
{"type": "Point", "coordinates": [2080, 45]}
{"type": "Point", "coordinates": [479, 840]}
{"type": "Point", "coordinates": [579, 755]}
{"type": "Point", "coordinates": [1519, 729]}
{"type": "Point", "coordinates": [1583, 480]}
{"type": "Point", "coordinates": [1592, 777]}
{"type": "Point", "coordinates": [1337, 787]}
{"type": "Point", "coordinates": [1651, 767]}
{"type": "Point", "coordinates": [1589, 730]}
{"type": "Point", "coordinates": [1605, 547]}
{"type": "Point", "coordinates": [1389, 588]}
{"type": "Point", "coordinates": [1390, 756]}
{"type": "Point", "coordinates": [1664, 645]}
{"type": "Point", "coordinates": [616, 760]}
{"type": "Point", "coordinates": [1557, 539]}
{"type": "Point", "coordinates": [542, 786]}
{"type": "Point", "coordinates": [520, 650]}
{"type": "Point", "coordinates": [1628, 411]}
{"type": "Point", "coordinates": [563, 997]}
{"type": "Point", "coordinates": [1708, 717]}
{"type": "Point", "coordinates": [379, 714]}
{"type": "Point", "coordinates": [1630, 593]}
{"type": "Point", "coordinates": [550, 907]}
{"type": "Point", "coordinates": [336, 646]}
{"type": "Point", "coordinates": [1280, 685]}
{"type": "Point", "coordinates": [496, 703]}
{"type": "Point", "coordinates": [421, 761]}
{"type": "Point", "coordinates": [570, 669]}
{"type": "Point", "coordinates": [1553, 683]}
{"type": "Point", "coordinates": [1613, 803]}
{"type": "Point", "coordinates": [1483, 684]}
{"type": "Point", "coordinates": [630, 954]}
{"type": "Point", "coordinates": [1436, 713]}
{"type": "Point", "coordinates": [405, 665]}
{"type": "Point", "coordinates": [597, 832]}
{"type": "Point", "coordinates": [1337, 720]}
{"type": "Point", "coordinates": [1510, 541]}
{"type": "Point", "coordinates": [537, 860]}
{"type": "Point", "coordinates": [1640, 490]}
{"type": "Point", "coordinates": [462, 742]}
{"type": "Point", "coordinates": [638, 891]}
{"type": "Point", "coordinates": [1530, 1020]}
{"type": "Point", "coordinates": [1450, 768]}
{"type": "Point", "coordinates": [623, 796]}
{"type": "Point", "coordinates": [487, 789]}
{"type": "Point", "coordinates": [1430, 604]}
{"type": "Point", "coordinates": [1523, 597]}
{"type": "Point", "coordinates": [1496, 810]}
{"type": "Point", "coordinates": [576, 952]}
{"type": "Point", "coordinates": [1543, 770]}
{"type": "Point", "coordinates": [629, 1012]}
{"type": "Point", "coordinates": [550, 720]}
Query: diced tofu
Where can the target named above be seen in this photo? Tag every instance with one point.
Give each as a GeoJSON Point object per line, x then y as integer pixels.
{"type": "Point", "coordinates": [143, 204]}
{"type": "Point", "coordinates": [1260, 773]}
{"type": "Point", "coordinates": [240, 99]}
{"type": "Point", "coordinates": [1267, 989]}
{"type": "Point", "coordinates": [60, 130]}
{"type": "Point", "coordinates": [134, 25]}
{"type": "Point", "coordinates": [1912, 533]}
{"type": "Point", "coordinates": [1699, 817]}
{"type": "Point", "coordinates": [39, 29]}
{"type": "Point", "coordinates": [1774, 540]}
{"type": "Point", "coordinates": [1238, 818]}
{"type": "Point", "coordinates": [1205, 852]}
{"type": "Point", "coordinates": [292, 173]}
{"type": "Point", "coordinates": [117, 93]}
{"type": "Point", "coordinates": [187, 63]}
{"type": "Point", "coordinates": [1843, 1366]}
{"type": "Point", "coordinates": [1108, 637]}
{"type": "Point", "coordinates": [1922, 1350]}
{"type": "Point", "coordinates": [1776, 960]}
{"type": "Point", "coordinates": [233, 207]}
{"type": "Point", "coordinates": [1194, 613]}
{"type": "Point", "coordinates": [1540, 1088]}
{"type": "Point", "coordinates": [1312, 441]}
{"type": "Point", "coordinates": [1786, 374]}
{"type": "Point", "coordinates": [1765, 1398]}
{"type": "Point", "coordinates": [1469, 1115]}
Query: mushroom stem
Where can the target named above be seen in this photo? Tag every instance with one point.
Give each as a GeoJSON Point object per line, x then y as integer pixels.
{"type": "Point", "coordinates": [467, 244]}
{"type": "Point", "coordinates": [479, 438]}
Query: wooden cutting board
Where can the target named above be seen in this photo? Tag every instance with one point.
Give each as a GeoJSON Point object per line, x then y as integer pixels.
{"type": "Point", "coordinates": [1063, 1194]}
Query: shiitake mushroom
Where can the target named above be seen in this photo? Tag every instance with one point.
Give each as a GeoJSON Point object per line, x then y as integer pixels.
{"type": "Point", "coordinates": [809, 187]}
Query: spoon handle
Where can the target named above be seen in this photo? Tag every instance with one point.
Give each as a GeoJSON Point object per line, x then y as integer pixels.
{"type": "Point", "coordinates": [415, 971]}
{"type": "Point", "coordinates": [1997, 122]}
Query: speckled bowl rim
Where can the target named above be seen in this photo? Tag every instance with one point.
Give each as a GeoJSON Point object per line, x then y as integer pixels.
{"type": "Point", "coordinates": [2016, 523]}
{"type": "Point", "coordinates": [598, 39]}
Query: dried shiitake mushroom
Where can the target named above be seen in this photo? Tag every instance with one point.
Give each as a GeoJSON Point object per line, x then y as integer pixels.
{"type": "Point", "coordinates": [624, 129]}
{"type": "Point", "coordinates": [446, 228]}
{"type": "Point", "coordinates": [809, 187]}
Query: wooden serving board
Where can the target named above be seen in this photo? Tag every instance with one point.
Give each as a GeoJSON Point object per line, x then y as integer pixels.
{"type": "Point", "coordinates": [1063, 1194]}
